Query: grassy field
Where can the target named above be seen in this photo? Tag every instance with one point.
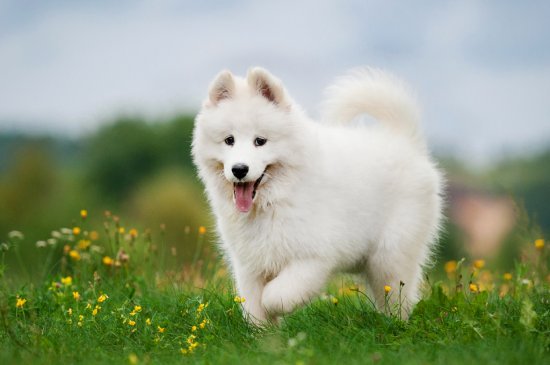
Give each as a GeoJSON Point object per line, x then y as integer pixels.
{"type": "Point", "coordinates": [112, 295]}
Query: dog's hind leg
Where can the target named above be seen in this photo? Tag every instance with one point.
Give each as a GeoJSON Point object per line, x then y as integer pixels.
{"type": "Point", "coordinates": [394, 272]}
{"type": "Point", "coordinates": [295, 285]}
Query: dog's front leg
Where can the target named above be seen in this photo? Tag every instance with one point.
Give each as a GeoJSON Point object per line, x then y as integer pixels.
{"type": "Point", "coordinates": [250, 287]}
{"type": "Point", "coordinates": [296, 284]}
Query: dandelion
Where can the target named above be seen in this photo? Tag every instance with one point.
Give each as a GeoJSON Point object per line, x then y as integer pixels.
{"type": "Point", "coordinates": [83, 213]}
{"type": "Point", "coordinates": [193, 328]}
{"type": "Point", "coordinates": [161, 329]}
{"type": "Point", "coordinates": [121, 230]}
{"type": "Point", "coordinates": [107, 261]}
{"type": "Point", "coordinates": [202, 230]}
{"type": "Point", "coordinates": [131, 323]}
{"type": "Point", "coordinates": [479, 264]}
{"type": "Point", "coordinates": [75, 255]}
{"type": "Point", "coordinates": [148, 321]}
{"type": "Point", "coordinates": [387, 289]}
{"type": "Point", "coordinates": [450, 266]}
{"type": "Point", "coordinates": [20, 302]}
{"type": "Point", "coordinates": [507, 276]}
{"type": "Point", "coordinates": [133, 233]}
{"type": "Point", "coordinates": [539, 244]}
{"type": "Point", "coordinates": [67, 281]}
{"type": "Point", "coordinates": [76, 231]}
{"type": "Point", "coordinates": [474, 288]}
{"type": "Point", "coordinates": [102, 298]}
{"type": "Point", "coordinates": [238, 299]}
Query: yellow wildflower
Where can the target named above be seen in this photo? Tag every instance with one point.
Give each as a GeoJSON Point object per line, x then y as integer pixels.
{"type": "Point", "coordinates": [387, 289]}
{"type": "Point", "coordinates": [479, 264]}
{"type": "Point", "coordinates": [131, 323]}
{"type": "Point", "coordinates": [83, 213]}
{"type": "Point", "coordinates": [202, 230]}
{"type": "Point", "coordinates": [80, 317]}
{"type": "Point", "coordinates": [70, 311]}
{"type": "Point", "coordinates": [148, 321]}
{"type": "Point", "coordinates": [88, 306]}
{"type": "Point", "coordinates": [507, 276]}
{"type": "Point", "coordinates": [76, 231]}
{"type": "Point", "coordinates": [133, 359]}
{"type": "Point", "coordinates": [191, 339]}
{"type": "Point", "coordinates": [450, 266]}
{"type": "Point", "coordinates": [473, 288]}
{"type": "Point", "coordinates": [20, 302]}
{"type": "Point", "coordinates": [83, 244]}
{"type": "Point", "coordinates": [74, 255]}
{"type": "Point", "coordinates": [238, 299]}
{"type": "Point", "coordinates": [133, 233]}
{"type": "Point", "coordinates": [79, 324]}
{"type": "Point", "coordinates": [121, 230]}
{"type": "Point", "coordinates": [539, 244]}
{"type": "Point", "coordinates": [107, 261]}
{"type": "Point", "coordinates": [202, 325]}
{"type": "Point", "coordinates": [137, 308]}
{"type": "Point", "coordinates": [183, 351]}
{"type": "Point", "coordinates": [334, 300]}
{"type": "Point", "coordinates": [96, 309]}
{"type": "Point", "coordinates": [76, 295]}
{"type": "Point", "coordinates": [193, 328]}
{"type": "Point", "coordinates": [94, 235]}
{"type": "Point", "coordinates": [67, 280]}
{"type": "Point", "coordinates": [201, 307]}
{"type": "Point", "coordinates": [102, 298]}
{"type": "Point", "coordinates": [161, 329]}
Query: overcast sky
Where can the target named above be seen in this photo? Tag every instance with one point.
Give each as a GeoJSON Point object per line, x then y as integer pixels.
{"type": "Point", "coordinates": [481, 68]}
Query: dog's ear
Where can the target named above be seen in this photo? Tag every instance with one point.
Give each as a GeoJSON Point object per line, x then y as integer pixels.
{"type": "Point", "coordinates": [223, 87]}
{"type": "Point", "coordinates": [266, 85]}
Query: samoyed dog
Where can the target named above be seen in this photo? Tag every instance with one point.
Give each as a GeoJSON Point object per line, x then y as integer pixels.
{"type": "Point", "coordinates": [297, 201]}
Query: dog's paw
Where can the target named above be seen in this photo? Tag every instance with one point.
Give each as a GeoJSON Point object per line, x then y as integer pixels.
{"type": "Point", "coordinates": [277, 301]}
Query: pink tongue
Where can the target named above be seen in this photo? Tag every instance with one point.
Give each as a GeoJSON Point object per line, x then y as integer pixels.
{"type": "Point", "coordinates": [243, 196]}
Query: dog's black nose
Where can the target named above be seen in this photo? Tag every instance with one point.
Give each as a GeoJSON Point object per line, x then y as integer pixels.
{"type": "Point", "coordinates": [239, 170]}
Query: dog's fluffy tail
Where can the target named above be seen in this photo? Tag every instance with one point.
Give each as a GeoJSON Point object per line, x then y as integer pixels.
{"type": "Point", "coordinates": [377, 93]}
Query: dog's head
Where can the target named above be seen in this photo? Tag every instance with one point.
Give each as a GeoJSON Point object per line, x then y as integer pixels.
{"type": "Point", "coordinates": [245, 136]}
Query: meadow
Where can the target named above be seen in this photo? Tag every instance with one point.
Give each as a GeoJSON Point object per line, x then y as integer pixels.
{"type": "Point", "coordinates": [107, 292]}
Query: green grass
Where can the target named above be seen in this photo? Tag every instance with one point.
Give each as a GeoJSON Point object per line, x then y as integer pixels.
{"type": "Point", "coordinates": [451, 325]}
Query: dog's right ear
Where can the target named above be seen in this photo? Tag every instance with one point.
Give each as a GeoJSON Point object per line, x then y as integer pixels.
{"type": "Point", "coordinates": [223, 87]}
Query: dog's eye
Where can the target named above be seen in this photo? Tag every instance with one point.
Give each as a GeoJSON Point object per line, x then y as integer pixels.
{"type": "Point", "coordinates": [259, 141]}
{"type": "Point", "coordinates": [230, 141]}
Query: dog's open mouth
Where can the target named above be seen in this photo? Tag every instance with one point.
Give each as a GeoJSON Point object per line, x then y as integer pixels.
{"type": "Point", "coordinates": [244, 194]}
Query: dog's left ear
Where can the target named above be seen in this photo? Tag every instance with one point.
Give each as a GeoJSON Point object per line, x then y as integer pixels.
{"type": "Point", "coordinates": [267, 85]}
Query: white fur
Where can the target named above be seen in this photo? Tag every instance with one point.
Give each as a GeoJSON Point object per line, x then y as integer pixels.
{"type": "Point", "coordinates": [336, 197]}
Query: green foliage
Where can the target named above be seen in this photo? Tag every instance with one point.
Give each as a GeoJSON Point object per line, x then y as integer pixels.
{"type": "Point", "coordinates": [138, 307]}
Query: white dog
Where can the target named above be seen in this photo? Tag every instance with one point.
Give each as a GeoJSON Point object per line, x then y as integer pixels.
{"type": "Point", "coordinates": [296, 201]}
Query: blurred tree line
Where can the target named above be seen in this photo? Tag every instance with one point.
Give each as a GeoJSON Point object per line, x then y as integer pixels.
{"type": "Point", "coordinates": [137, 169]}
{"type": "Point", "coordinates": [142, 171]}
